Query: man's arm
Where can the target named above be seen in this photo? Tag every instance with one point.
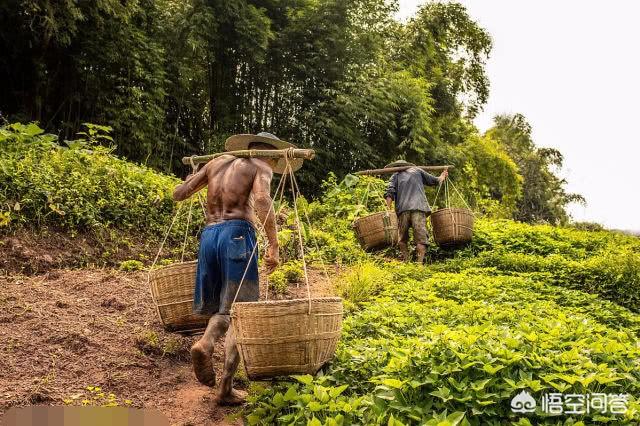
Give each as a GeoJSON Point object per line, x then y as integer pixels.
{"type": "Point", "coordinates": [431, 180]}
{"type": "Point", "coordinates": [266, 214]}
{"type": "Point", "coordinates": [392, 189]}
{"type": "Point", "coordinates": [192, 184]}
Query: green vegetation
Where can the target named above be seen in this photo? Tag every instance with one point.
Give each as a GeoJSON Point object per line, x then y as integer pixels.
{"type": "Point", "coordinates": [601, 262]}
{"type": "Point", "coordinates": [79, 186]}
{"type": "Point", "coordinates": [361, 282]}
{"type": "Point", "coordinates": [341, 76]}
{"type": "Point", "coordinates": [131, 265]}
{"type": "Point", "coordinates": [94, 396]}
{"type": "Point", "coordinates": [435, 345]}
{"type": "Point", "coordinates": [286, 274]}
{"type": "Point", "coordinates": [278, 282]}
{"type": "Point", "coordinates": [453, 343]}
{"type": "Point", "coordinates": [82, 187]}
{"type": "Point", "coordinates": [293, 272]}
{"type": "Point", "coordinates": [543, 196]}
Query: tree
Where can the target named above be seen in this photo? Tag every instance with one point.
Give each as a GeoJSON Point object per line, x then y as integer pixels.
{"type": "Point", "coordinates": [177, 77]}
{"type": "Point", "coordinates": [73, 62]}
{"type": "Point", "coordinates": [544, 198]}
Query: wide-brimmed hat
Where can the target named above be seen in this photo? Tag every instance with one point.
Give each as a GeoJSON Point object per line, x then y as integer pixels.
{"type": "Point", "coordinates": [242, 142]}
{"type": "Point", "coordinates": [398, 163]}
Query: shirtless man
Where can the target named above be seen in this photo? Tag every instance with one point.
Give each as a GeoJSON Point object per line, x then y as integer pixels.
{"type": "Point", "coordinates": [236, 186]}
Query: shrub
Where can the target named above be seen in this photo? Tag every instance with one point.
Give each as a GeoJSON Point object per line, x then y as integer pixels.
{"type": "Point", "coordinates": [615, 277]}
{"type": "Point", "coordinates": [78, 187]}
{"type": "Point", "coordinates": [587, 226]}
{"type": "Point", "coordinates": [293, 271]}
{"type": "Point", "coordinates": [278, 282]}
{"type": "Point", "coordinates": [131, 265]}
{"type": "Point", "coordinates": [544, 240]}
{"type": "Point", "coordinates": [362, 282]}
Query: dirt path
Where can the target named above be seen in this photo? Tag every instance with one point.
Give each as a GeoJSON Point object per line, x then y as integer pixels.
{"type": "Point", "coordinates": [67, 330]}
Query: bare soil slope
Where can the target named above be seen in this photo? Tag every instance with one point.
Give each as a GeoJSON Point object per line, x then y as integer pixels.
{"type": "Point", "coordinates": [66, 330]}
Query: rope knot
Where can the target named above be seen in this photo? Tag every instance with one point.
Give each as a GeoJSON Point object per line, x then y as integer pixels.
{"type": "Point", "coordinates": [289, 153]}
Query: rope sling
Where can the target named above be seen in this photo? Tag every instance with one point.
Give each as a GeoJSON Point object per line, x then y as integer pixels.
{"type": "Point", "coordinates": [451, 226]}
{"type": "Point", "coordinates": [446, 184]}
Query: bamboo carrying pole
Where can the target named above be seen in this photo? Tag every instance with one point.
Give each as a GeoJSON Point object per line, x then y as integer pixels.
{"type": "Point", "coordinates": [391, 170]}
{"type": "Point", "coordinates": [307, 154]}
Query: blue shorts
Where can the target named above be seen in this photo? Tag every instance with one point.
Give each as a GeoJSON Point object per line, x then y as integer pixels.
{"type": "Point", "coordinates": [225, 251]}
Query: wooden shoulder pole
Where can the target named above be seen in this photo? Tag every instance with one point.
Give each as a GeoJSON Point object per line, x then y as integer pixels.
{"type": "Point", "coordinates": [307, 154]}
{"type": "Point", "coordinates": [392, 170]}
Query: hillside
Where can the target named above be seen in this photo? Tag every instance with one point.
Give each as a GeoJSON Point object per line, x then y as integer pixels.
{"type": "Point", "coordinates": [522, 308]}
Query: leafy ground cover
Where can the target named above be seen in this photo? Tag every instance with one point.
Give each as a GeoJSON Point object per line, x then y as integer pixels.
{"type": "Point", "coordinates": [600, 262]}
{"type": "Point", "coordinates": [521, 308]}
{"type": "Point", "coordinates": [455, 348]}
{"type": "Point", "coordinates": [79, 185]}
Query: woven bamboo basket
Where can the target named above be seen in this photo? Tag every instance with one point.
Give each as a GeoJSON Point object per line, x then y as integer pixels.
{"type": "Point", "coordinates": [172, 291]}
{"type": "Point", "coordinates": [282, 337]}
{"type": "Point", "coordinates": [377, 230]}
{"type": "Point", "coordinates": [452, 227]}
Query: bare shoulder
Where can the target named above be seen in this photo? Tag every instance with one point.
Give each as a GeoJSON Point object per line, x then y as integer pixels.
{"type": "Point", "coordinates": [261, 167]}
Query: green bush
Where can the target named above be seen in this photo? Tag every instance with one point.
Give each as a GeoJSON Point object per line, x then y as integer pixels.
{"type": "Point", "coordinates": [131, 265]}
{"type": "Point", "coordinates": [362, 282]}
{"type": "Point", "coordinates": [614, 277]}
{"type": "Point", "coordinates": [80, 186]}
{"type": "Point", "coordinates": [544, 240]}
{"type": "Point", "coordinates": [278, 282]}
{"type": "Point", "coordinates": [293, 271]}
{"type": "Point", "coordinates": [587, 226]}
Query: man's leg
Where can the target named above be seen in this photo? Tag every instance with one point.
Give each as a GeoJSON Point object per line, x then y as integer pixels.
{"type": "Point", "coordinates": [403, 237]}
{"type": "Point", "coordinates": [202, 350]}
{"type": "Point", "coordinates": [419, 224]}
{"type": "Point", "coordinates": [240, 277]}
{"type": "Point", "coordinates": [421, 250]}
{"type": "Point", "coordinates": [226, 394]}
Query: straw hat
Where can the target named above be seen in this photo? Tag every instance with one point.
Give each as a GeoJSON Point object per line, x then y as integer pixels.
{"type": "Point", "coordinates": [242, 142]}
{"type": "Point", "coordinates": [398, 163]}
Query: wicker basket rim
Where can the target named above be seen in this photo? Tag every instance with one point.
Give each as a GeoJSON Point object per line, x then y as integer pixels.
{"type": "Point", "coordinates": [290, 301]}
{"type": "Point", "coordinates": [173, 265]}
{"type": "Point", "coordinates": [451, 209]}
{"type": "Point", "coordinates": [374, 214]}
{"type": "Point", "coordinates": [153, 272]}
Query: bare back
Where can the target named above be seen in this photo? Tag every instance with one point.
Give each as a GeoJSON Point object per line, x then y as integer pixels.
{"type": "Point", "coordinates": [231, 183]}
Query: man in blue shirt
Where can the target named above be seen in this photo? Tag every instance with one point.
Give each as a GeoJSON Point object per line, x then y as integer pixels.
{"type": "Point", "coordinates": [406, 189]}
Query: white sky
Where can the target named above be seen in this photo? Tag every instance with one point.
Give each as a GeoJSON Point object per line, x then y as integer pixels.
{"type": "Point", "coordinates": [572, 68]}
